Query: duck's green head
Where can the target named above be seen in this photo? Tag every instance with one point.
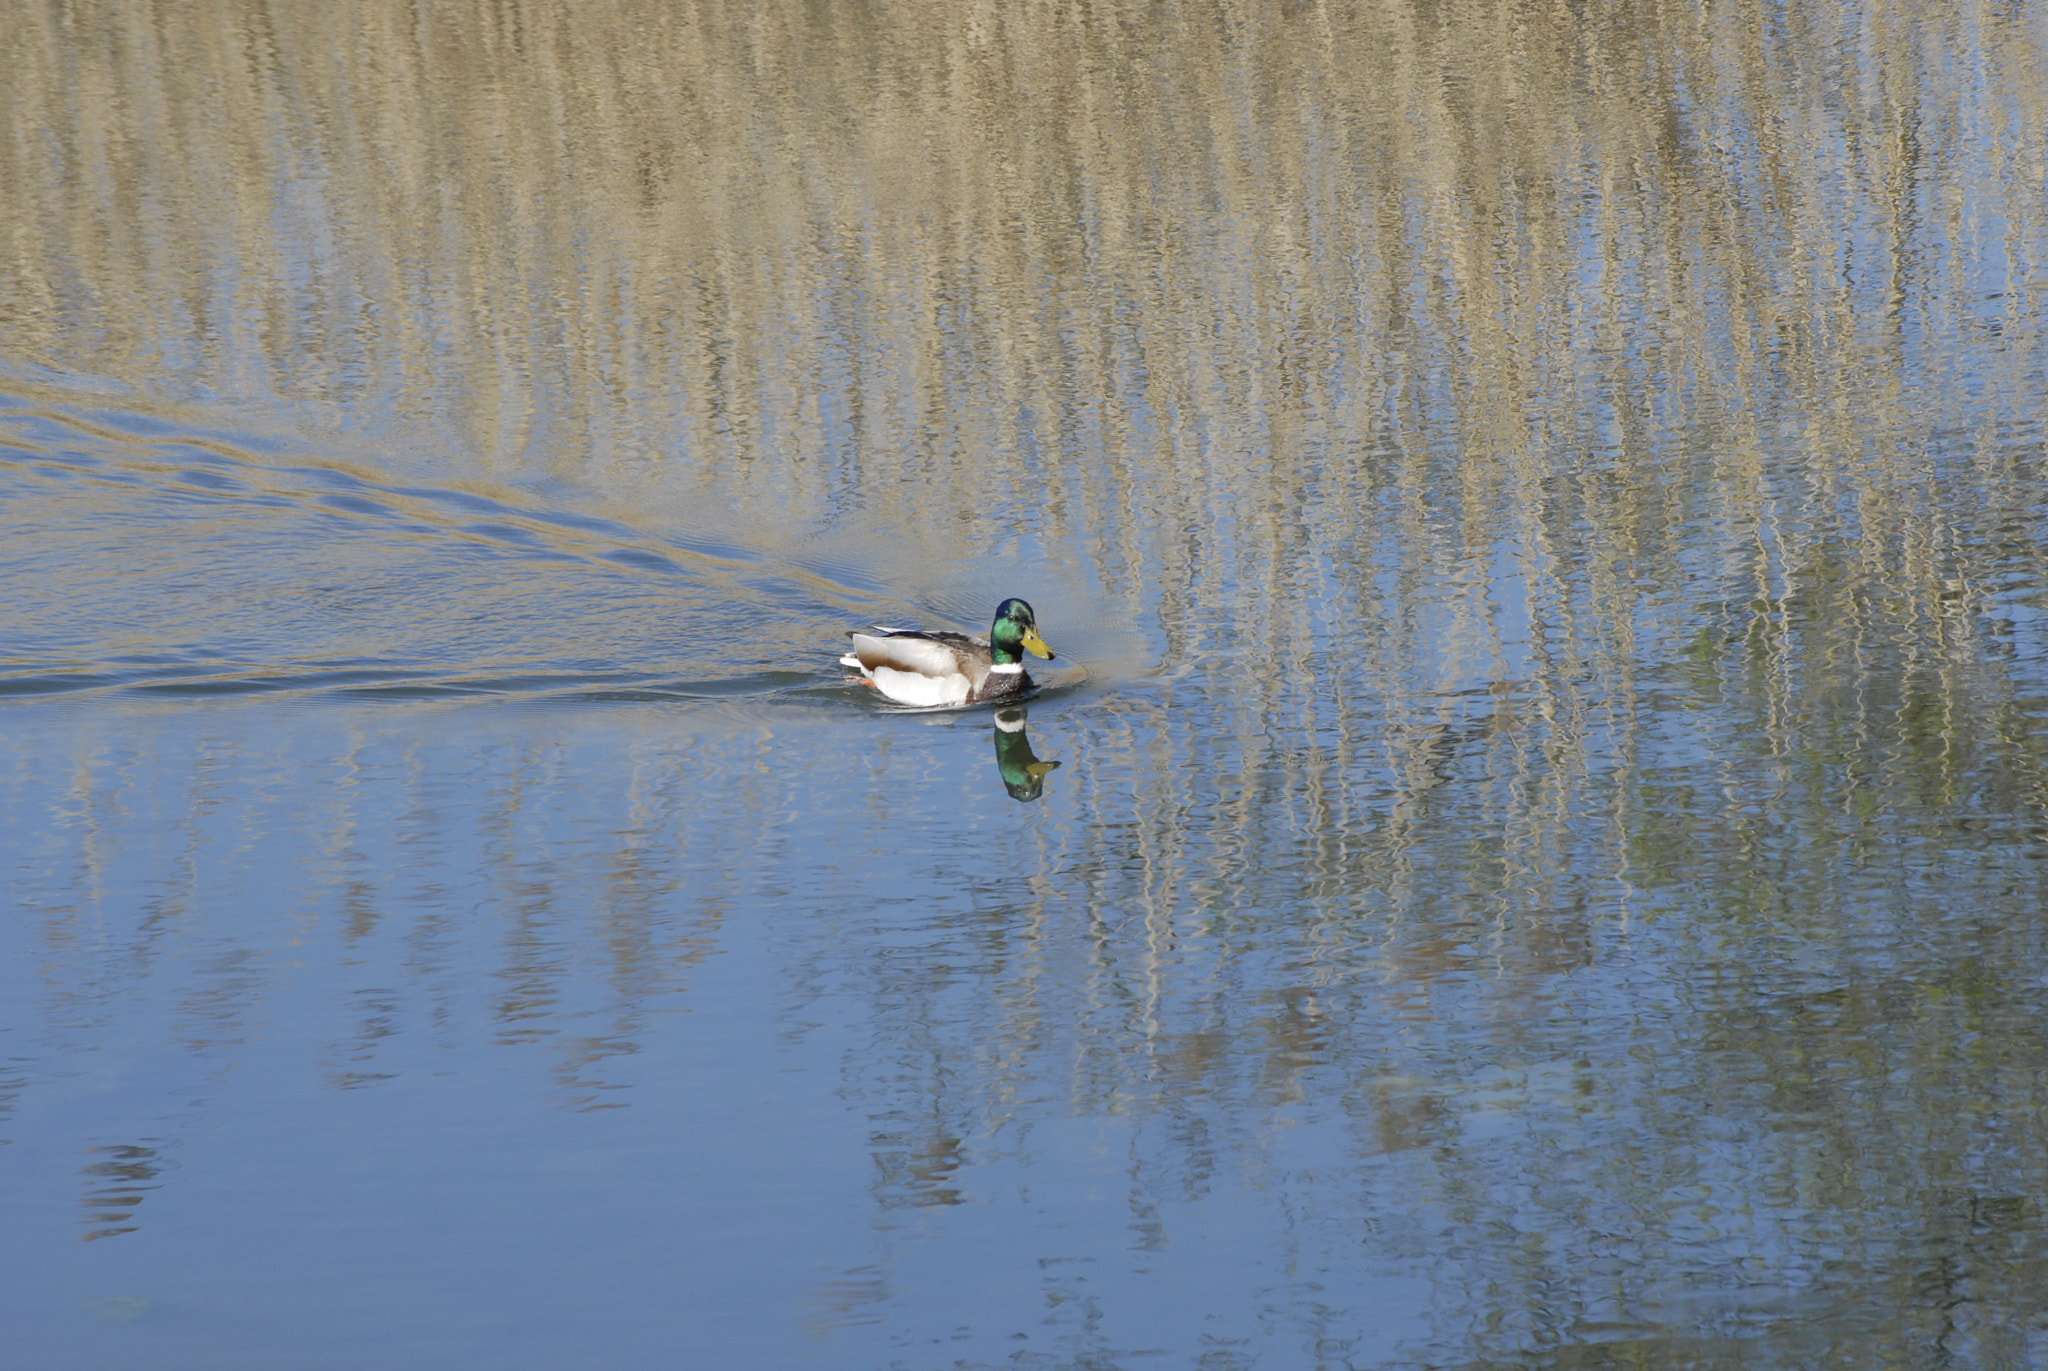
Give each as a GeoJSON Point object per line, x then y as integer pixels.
{"type": "Point", "coordinates": [1016, 632]}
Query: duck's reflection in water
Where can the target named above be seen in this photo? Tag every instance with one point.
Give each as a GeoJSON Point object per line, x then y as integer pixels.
{"type": "Point", "coordinates": [1023, 773]}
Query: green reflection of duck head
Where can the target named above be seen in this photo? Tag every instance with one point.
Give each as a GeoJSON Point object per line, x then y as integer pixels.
{"type": "Point", "coordinates": [1023, 774]}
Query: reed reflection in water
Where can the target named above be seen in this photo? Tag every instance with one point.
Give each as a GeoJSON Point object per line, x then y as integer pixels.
{"type": "Point", "coordinates": [1547, 854]}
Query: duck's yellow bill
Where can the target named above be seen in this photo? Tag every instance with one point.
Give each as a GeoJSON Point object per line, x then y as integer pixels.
{"type": "Point", "coordinates": [1035, 645]}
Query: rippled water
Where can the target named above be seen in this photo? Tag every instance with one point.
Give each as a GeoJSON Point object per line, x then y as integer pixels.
{"type": "Point", "coordinates": [1544, 516]}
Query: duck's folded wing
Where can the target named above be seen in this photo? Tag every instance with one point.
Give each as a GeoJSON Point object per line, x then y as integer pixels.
{"type": "Point", "coordinates": [905, 652]}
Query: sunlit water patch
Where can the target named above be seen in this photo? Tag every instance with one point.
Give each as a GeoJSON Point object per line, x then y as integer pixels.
{"type": "Point", "coordinates": [170, 564]}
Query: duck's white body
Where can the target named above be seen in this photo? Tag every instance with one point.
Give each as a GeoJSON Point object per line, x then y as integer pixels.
{"type": "Point", "coordinates": [933, 670]}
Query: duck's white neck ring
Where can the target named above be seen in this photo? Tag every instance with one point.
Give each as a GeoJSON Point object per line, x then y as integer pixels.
{"type": "Point", "coordinates": [1006, 668]}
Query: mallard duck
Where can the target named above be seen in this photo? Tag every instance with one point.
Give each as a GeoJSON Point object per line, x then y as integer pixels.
{"type": "Point", "coordinates": [916, 668]}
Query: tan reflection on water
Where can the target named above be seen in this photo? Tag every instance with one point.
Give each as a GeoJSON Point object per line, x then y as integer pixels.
{"type": "Point", "coordinates": [933, 240]}
{"type": "Point", "coordinates": [1232, 298]}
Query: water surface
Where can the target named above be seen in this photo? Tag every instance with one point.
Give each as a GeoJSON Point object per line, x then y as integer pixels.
{"type": "Point", "coordinates": [1543, 513]}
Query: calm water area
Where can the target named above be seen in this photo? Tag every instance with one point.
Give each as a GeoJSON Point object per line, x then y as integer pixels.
{"type": "Point", "coordinates": [1542, 509]}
